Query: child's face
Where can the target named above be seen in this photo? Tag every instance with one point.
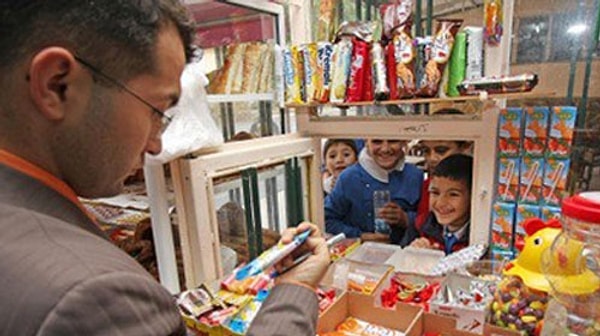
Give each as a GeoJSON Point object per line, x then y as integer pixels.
{"type": "Point", "coordinates": [450, 201]}
{"type": "Point", "coordinates": [338, 157]}
{"type": "Point", "coordinates": [386, 153]}
{"type": "Point", "coordinates": [436, 151]}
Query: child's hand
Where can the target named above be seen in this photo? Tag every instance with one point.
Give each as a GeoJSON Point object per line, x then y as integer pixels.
{"type": "Point", "coordinates": [422, 243]}
{"type": "Point", "coordinates": [394, 215]}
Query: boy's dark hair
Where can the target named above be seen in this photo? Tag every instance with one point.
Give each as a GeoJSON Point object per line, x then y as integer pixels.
{"type": "Point", "coordinates": [349, 142]}
{"type": "Point", "coordinates": [457, 167]}
{"type": "Point", "coordinates": [118, 36]}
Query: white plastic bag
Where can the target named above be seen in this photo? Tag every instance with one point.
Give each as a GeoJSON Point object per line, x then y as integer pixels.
{"type": "Point", "coordinates": [192, 126]}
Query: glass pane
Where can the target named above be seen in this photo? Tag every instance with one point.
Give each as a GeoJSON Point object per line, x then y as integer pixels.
{"type": "Point", "coordinates": [273, 205]}
{"type": "Point", "coordinates": [532, 35]}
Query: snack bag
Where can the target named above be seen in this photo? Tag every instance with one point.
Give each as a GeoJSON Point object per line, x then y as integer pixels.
{"type": "Point", "coordinates": [402, 71]}
{"type": "Point", "coordinates": [443, 41]}
{"type": "Point", "coordinates": [493, 21]}
{"type": "Point", "coordinates": [378, 72]}
{"type": "Point", "coordinates": [395, 14]}
{"type": "Point", "coordinates": [324, 54]}
{"type": "Point", "coordinates": [292, 76]}
{"type": "Point", "coordinates": [312, 81]}
{"type": "Point", "coordinates": [326, 20]}
{"type": "Point", "coordinates": [358, 68]}
{"type": "Point", "coordinates": [342, 55]}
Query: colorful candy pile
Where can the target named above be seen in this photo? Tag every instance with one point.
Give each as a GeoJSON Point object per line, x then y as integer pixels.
{"type": "Point", "coordinates": [517, 307]}
{"type": "Point", "coordinates": [409, 289]}
{"type": "Point", "coordinates": [326, 298]}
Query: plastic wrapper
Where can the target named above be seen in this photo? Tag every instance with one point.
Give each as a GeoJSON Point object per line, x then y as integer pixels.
{"type": "Point", "coordinates": [363, 30]}
{"type": "Point", "coordinates": [354, 326]}
{"type": "Point", "coordinates": [358, 69]}
{"type": "Point", "coordinates": [457, 66]}
{"type": "Point", "coordinates": [253, 59]}
{"type": "Point", "coordinates": [192, 127]}
{"type": "Point", "coordinates": [378, 72]}
{"type": "Point", "coordinates": [509, 84]}
{"type": "Point", "coordinates": [441, 48]}
{"type": "Point", "coordinates": [312, 81]}
{"type": "Point", "coordinates": [265, 79]}
{"type": "Point", "coordinates": [401, 55]}
{"type": "Point", "coordinates": [292, 76]}
{"type": "Point", "coordinates": [398, 13]}
{"type": "Point", "coordinates": [493, 18]}
{"type": "Point", "coordinates": [474, 60]}
{"type": "Point", "coordinates": [342, 56]}
{"type": "Point", "coordinates": [324, 71]}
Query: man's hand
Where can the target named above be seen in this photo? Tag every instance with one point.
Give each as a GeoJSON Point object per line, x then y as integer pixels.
{"type": "Point", "coordinates": [311, 270]}
{"type": "Point", "coordinates": [394, 215]}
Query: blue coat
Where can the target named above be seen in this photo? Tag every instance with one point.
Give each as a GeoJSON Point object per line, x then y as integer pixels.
{"type": "Point", "coordinates": [349, 206]}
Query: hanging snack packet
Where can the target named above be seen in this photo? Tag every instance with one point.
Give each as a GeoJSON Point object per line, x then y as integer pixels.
{"type": "Point", "coordinates": [493, 21]}
{"type": "Point", "coordinates": [340, 62]}
{"type": "Point", "coordinates": [393, 15]}
{"type": "Point", "coordinates": [443, 41]}
{"type": "Point", "coordinates": [324, 54]}
{"type": "Point", "coordinates": [402, 71]}
{"type": "Point", "coordinates": [312, 80]}
{"type": "Point", "coordinates": [292, 77]}
{"type": "Point", "coordinates": [423, 47]}
{"type": "Point", "coordinates": [358, 68]}
{"type": "Point", "coordinates": [378, 72]}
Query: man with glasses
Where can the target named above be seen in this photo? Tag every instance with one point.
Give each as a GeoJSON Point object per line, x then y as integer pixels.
{"type": "Point", "coordinates": [84, 89]}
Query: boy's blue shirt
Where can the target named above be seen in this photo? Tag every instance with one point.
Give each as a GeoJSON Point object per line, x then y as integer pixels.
{"type": "Point", "coordinates": [349, 206]}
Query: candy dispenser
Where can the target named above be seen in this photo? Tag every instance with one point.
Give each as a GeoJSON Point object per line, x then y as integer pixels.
{"type": "Point", "coordinates": [572, 268]}
{"type": "Point", "coordinates": [521, 297]}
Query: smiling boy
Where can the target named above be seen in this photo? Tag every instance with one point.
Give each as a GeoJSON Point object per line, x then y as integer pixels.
{"type": "Point", "coordinates": [447, 226]}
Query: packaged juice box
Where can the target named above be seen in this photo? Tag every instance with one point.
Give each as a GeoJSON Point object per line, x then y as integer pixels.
{"type": "Point", "coordinates": [555, 180]}
{"type": "Point", "coordinates": [508, 179]}
{"type": "Point", "coordinates": [532, 174]}
{"type": "Point", "coordinates": [524, 211]}
{"type": "Point", "coordinates": [535, 130]}
{"type": "Point", "coordinates": [562, 125]}
{"type": "Point", "coordinates": [503, 218]}
{"type": "Point", "coordinates": [550, 212]}
{"type": "Point", "coordinates": [509, 131]}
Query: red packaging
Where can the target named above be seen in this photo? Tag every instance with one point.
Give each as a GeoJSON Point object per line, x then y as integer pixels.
{"type": "Point", "coordinates": [360, 55]}
{"type": "Point", "coordinates": [391, 71]}
{"type": "Point", "coordinates": [368, 90]}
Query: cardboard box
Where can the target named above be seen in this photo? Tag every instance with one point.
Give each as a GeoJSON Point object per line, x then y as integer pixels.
{"type": "Point", "coordinates": [555, 180]}
{"type": "Point", "coordinates": [403, 261]}
{"type": "Point", "coordinates": [374, 253]}
{"type": "Point", "coordinates": [503, 223]}
{"type": "Point", "coordinates": [404, 318]}
{"type": "Point", "coordinates": [532, 175]}
{"type": "Point", "coordinates": [509, 131]}
{"type": "Point", "coordinates": [508, 179]}
{"type": "Point", "coordinates": [471, 319]}
{"type": "Point", "coordinates": [536, 130]}
{"type": "Point", "coordinates": [352, 275]}
{"type": "Point", "coordinates": [432, 323]}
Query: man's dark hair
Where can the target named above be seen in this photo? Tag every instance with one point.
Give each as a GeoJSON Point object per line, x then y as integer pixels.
{"type": "Point", "coordinates": [118, 36]}
{"type": "Point", "coordinates": [457, 167]}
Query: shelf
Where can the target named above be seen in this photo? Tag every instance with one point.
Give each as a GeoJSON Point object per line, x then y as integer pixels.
{"type": "Point", "coordinates": [482, 97]}
{"type": "Point", "coordinates": [240, 98]}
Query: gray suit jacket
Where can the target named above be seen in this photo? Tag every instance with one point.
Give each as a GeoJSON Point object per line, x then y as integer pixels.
{"type": "Point", "coordinates": [59, 275]}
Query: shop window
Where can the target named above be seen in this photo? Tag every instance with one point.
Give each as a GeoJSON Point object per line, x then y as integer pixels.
{"type": "Point", "coordinates": [531, 40]}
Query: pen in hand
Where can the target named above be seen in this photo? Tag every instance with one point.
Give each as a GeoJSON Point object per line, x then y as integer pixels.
{"type": "Point", "coordinates": [330, 242]}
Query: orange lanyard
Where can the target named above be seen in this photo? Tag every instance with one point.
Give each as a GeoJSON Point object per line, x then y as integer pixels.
{"type": "Point", "coordinates": [44, 177]}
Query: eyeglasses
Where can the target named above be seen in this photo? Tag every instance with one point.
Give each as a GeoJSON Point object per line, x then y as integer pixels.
{"type": "Point", "coordinates": [165, 119]}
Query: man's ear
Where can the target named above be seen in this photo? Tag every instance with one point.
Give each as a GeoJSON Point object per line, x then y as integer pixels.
{"type": "Point", "coordinates": [51, 75]}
